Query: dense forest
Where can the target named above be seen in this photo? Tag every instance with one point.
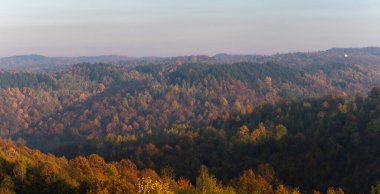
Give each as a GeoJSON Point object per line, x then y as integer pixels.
{"type": "Point", "coordinates": [29, 171]}
{"type": "Point", "coordinates": [293, 123]}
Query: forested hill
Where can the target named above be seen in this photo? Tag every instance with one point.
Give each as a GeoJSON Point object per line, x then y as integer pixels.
{"type": "Point", "coordinates": [92, 100]}
{"type": "Point", "coordinates": [286, 147]}
{"type": "Point", "coordinates": [231, 117]}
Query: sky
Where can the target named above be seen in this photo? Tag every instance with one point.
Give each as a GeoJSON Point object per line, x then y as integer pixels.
{"type": "Point", "coordinates": [178, 27]}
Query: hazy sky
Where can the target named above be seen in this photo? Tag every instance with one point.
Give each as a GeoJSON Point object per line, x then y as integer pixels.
{"type": "Point", "coordinates": [179, 27]}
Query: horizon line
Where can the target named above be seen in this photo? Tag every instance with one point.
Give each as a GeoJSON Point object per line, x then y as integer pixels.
{"type": "Point", "coordinates": [187, 55]}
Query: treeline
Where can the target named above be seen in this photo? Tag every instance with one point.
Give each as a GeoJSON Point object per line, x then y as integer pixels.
{"type": "Point", "coordinates": [29, 171]}
{"type": "Point", "coordinates": [245, 72]}
{"type": "Point", "coordinates": [25, 79]}
{"type": "Point", "coordinates": [97, 72]}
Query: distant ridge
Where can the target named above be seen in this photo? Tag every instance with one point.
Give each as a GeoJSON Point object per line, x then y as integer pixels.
{"type": "Point", "coordinates": [40, 62]}
{"type": "Point", "coordinates": [34, 62]}
{"type": "Point", "coordinates": [32, 56]}
{"type": "Point", "coordinates": [367, 50]}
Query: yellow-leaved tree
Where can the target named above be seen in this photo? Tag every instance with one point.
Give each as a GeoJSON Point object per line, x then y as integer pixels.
{"type": "Point", "coordinates": [146, 185]}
